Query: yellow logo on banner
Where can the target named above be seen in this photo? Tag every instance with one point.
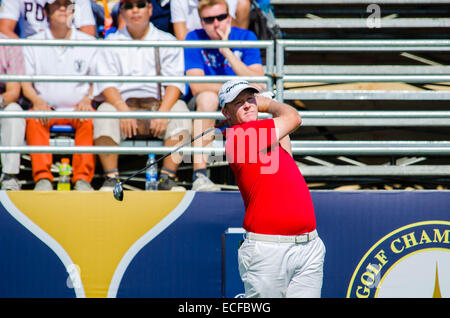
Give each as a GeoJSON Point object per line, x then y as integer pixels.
{"type": "Point", "coordinates": [412, 261]}
{"type": "Point", "coordinates": [98, 232]}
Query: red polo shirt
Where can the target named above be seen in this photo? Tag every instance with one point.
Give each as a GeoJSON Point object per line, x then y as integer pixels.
{"type": "Point", "coordinates": [276, 197]}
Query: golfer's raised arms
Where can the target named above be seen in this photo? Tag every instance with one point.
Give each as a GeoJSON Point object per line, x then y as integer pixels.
{"type": "Point", "coordinates": [286, 118]}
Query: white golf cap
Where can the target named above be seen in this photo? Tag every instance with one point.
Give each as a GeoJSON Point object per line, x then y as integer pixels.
{"type": "Point", "coordinates": [231, 89]}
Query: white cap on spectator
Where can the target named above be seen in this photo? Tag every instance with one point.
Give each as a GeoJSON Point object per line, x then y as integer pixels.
{"type": "Point", "coordinates": [231, 89]}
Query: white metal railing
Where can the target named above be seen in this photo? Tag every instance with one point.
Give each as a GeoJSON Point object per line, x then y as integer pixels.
{"type": "Point", "coordinates": [376, 170]}
{"type": "Point", "coordinates": [139, 79]}
{"type": "Point", "coordinates": [267, 45]}
{"type": "Point", "coordinates": [310, 118]}
{"type": "Point", "coordinates": [363, 73]}
{"type": "Point", "coordinates": [299, 147]}
{"type": "Point", "coordinates": [359, 46]}
{"type": "Point", "coordinates": [267, 79]}
{"type": "Point", "coordinates": [309, 94]}
{"type": "Point", "coordinates": [309, 2]}
{"type": "Point", "coordinates": [392, 21]}
{"type": "Point", "coordinates": [130, 79]}
{"type": "Point", "coordinates": [361, 23]}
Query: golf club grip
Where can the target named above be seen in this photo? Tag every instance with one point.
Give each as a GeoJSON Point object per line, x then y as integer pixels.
{"type": "Point", "coordinates": [175, 150]}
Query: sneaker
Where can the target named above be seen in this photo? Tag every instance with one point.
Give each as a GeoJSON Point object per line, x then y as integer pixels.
{"type": "Point", "coordinates": [10, 183]}
{"type": "Point", "coordinates": [169, 184]}
{"type": "Point", "coordinates": [203, 183]}
{"type": "Point", "coordinates": [43, 185]}
{"type": "Point", "coordinates": [109, 183]}
{"type": "Point", "coordinates": [83, 185]}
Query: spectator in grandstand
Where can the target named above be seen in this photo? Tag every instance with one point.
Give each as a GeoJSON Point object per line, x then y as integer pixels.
{"type": "Point", "coordinates": [141, 96]}
{"type": "Point", "coordinates": [282, 255]}
{"type": "Point", "coordinates": [12, 131]}
{"type": "Point", "coordinates": [99, 17]}
{"type": "Point", "coordinates": [60, 96]}
{"type": "Point", "coordinates": [27, 17]}
{"type": "Point", "coordinates": [160, 17]}
{"type": "Point", "coordinates": [242, 19]}
{"type": "Point", "coordinates": [185, 17]}
{"type": "Point", "coordinates": [216, 25]}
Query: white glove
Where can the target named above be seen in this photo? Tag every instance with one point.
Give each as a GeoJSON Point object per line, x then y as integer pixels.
{"type": "Point", "coordinates": [268, 94]}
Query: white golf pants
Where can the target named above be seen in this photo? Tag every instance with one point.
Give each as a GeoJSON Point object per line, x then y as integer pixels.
{"type": "Point", "coordinates": [278, 270]}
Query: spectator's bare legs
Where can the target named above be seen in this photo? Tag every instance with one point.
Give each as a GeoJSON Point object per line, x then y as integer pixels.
{"type": "Point", "coordinates": [172, 162]}
{"type": "Point", "coordinates": [206, 101]}
{"type": "Point", "coordinates": [110, 161]}
{"type": "Point", "coordinates": [242, 14]}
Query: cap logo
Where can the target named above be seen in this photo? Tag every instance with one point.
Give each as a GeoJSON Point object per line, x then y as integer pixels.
{"type": "Point", "coordinates": [234, 85]}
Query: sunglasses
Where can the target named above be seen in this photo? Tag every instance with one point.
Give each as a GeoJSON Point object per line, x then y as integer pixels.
{"type": "Point", "coordinates": [209, 20]}
{"type": "Point", "coordinates": [139, 5]}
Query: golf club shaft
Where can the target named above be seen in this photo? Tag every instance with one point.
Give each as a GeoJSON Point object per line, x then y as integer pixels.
{"type": "Point", "coordinates": [175, 150]}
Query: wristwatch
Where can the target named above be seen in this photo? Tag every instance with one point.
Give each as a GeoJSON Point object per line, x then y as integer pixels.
{"type": "Point", "coordinates": [2, 102]}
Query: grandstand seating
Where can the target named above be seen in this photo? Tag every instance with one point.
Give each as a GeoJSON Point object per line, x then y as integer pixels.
{"type": "Point", "coordinates": [331, 59]}
{"type": "Point", "coordinates": [374, 101]}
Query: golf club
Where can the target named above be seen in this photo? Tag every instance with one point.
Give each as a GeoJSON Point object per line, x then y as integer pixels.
{"type": "Point", "coordinates": [118, 187]}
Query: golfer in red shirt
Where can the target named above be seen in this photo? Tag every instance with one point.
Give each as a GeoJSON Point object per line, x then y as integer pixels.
{"type": "Point", "coordinates": [282, 255]}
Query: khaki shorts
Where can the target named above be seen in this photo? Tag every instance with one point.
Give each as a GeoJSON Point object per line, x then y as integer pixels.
{"type": "Point", "coordinates": [110, 127]}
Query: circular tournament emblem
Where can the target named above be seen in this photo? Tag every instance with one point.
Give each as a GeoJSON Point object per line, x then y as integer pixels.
{"type": "Point", "coordinates": [410, 262]}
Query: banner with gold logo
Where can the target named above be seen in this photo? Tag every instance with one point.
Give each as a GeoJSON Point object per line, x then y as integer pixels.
{"type": "Point", "coordinates": [169, 244]}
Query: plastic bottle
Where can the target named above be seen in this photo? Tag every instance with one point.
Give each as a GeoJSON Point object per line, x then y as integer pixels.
{"type": "Point", "coordinates": [151, 174]}
{"type": "Point", "coordinates": [65, 170]}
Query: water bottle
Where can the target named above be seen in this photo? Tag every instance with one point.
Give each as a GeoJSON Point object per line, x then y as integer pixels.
{"type": "Point", "coordinates": [151, 174]}
{"type": "Point", "coordinates": [65, 170]}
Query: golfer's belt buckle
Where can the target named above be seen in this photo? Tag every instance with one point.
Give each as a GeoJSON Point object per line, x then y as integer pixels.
{"type": "Point", "coordinates": [301, 238]}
